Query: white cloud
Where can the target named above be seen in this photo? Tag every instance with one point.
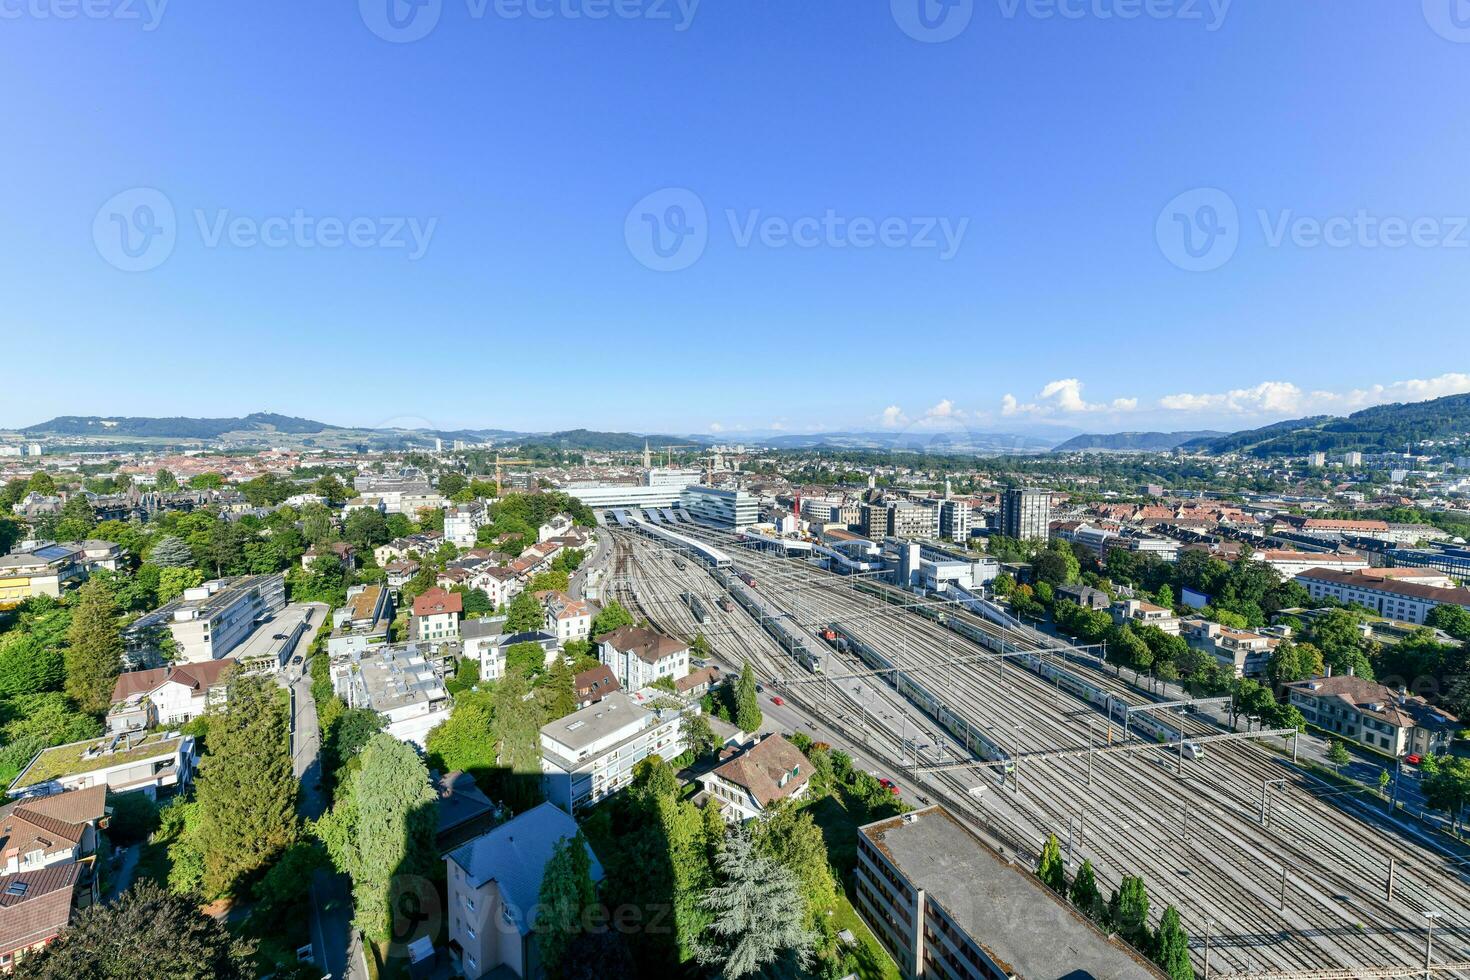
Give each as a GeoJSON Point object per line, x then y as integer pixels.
{"type": "Point", "coordinates": [945, 410]}
{"type": "Point", "coordinates": [778, 426]}
{"type": "Point", "coordinates": [1284, 398]}
{"type": "Point", "coordinates": [716, 427]}
{"type": "Point", "coordinates": [893, 417]}
{"type": "Point", "coordinates": [1064, 397]}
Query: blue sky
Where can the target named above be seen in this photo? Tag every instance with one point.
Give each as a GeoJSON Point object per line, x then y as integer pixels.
{"type": "Point", "coordinates": [881, 229]}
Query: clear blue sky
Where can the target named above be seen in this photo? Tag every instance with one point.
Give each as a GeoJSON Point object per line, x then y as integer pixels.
{"type": "Point", "coordinates": [527, 141]}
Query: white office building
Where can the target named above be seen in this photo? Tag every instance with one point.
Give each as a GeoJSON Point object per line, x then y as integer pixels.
{"type": "Point", "coordinates": [590, 754]}
{"type": "Point", "coordinates": [726, 508]}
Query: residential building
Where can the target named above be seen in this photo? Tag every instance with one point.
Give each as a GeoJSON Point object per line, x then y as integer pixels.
{"type": "Point", "coordinates": [500, 585]}
{"type": "Point", "coordinates": [45, 831]}
{"type": "Point", "coordinates": [1402, 601]}
{"type": "Point", "coordinates": [362, 622]}
{"type": "Point", "coordinates": [1025, 513]}
{"type": "Point", "coordinates": [35, 906]}
{"type": "Point", "coordinates": [568, 619]}
{"type": "Point", "coordinates": [556, 527]}
{"type": "Point", "coordinates": [168, 695]}
{"type": "Point", "coordinates": [124, 763]}
{"type": "Point", "coordinates": [1139, 614]}
{"type": "Point", "coordinates": [400, 572]}
{"type": "Point", "coordinates": [874, 522]}
{"type": "Point", "coordinates": [947, 906]}
{"type": "Point", "coordinates": [493, 889]}
{"type": "Point", "coordinates": [750, 780]}
{"type": "Point", "coordinates": [462, 523]}
{"type": "Point", "coordinates": [339, 550]}
{"type": "Point", "coordinates": [1085, 596]}
{"type": "Point", "coordinates": [697, 683]}
{"type": "Point", "coordinates": [907, 519]}
{"type": "Point", "coordinates": [1240, 652]}
{"type": "Point", "coordinates": [399, 682]}
{"type": "Point", "coordinates": [436, 615]}
{"type": "Point", "coordinates": [594, 684]}
{"type": "Point", "coordinates": [1396, 723]}
{"type": "Point", "coordinates": [1290, 564]}
{"type": "Point", "coordinates": [209, 621]}
{"type": "Point", "coordinates": [954, 520]}
{"type": "Point", "coordinates": [721, 507]}
{"type": "Point", "coordinates": [463, 811]}
{"type": "Point", "coordinates": [640, 656]}
{"type": "Point", "coordinates": [480, 639]}
{"type": "Point", "coordinates": [49, 569]}
{"type": "Point", "coordinates": [493, 660]}
{"type": "Point", "coordinates": [590, 754]}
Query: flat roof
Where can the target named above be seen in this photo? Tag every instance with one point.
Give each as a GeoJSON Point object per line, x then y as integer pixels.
{"type": "Point", "coordinates": [72, 759]}
{"type": "Point", "coordinates": [581, 729]}
{"type": "Point", "coordinates": [1005, 909]}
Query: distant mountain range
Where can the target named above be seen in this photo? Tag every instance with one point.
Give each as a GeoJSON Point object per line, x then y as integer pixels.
{"type": "Point", "coordinates": [1134, 442]}
{"type": "Point", "coordinates": [1383, 428]}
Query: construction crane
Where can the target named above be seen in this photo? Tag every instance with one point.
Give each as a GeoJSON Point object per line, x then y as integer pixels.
{"type": "Point", "coordinates": [499, 483]}
{"type": "Point", "coordinates": [668, 450]}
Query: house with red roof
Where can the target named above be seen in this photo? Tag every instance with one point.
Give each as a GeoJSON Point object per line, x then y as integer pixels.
{"type": "Point", "coordinates": [436, 615]}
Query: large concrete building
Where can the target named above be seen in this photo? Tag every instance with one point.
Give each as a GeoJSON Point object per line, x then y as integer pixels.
{"type": "Point", "coordinates": [948, 907]}
{"type": "Point", "coordinates": [954, 520]}
{"type": "Point", "coordinates": [604, 495]}
{"type": "Point", "coordinates": [590, 754]}
{"type": "Point", "coordinates": [1405, 602]}
{"type": "Point", "coordinates": [1025, 513]}
{"type": "Point", "coordinates": [210, 620]}
{"type": "Point", "coordinates": [398, 682]}
{"type": "Point", "coordinates": [725, 508]}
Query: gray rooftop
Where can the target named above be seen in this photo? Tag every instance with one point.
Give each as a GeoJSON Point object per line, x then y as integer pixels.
{"type": "Point", "coordinates": [388, 677]}
{"type": "Point", "coordinates": [580, 729]}
{"type": "Point", "coordinates": [1003, 907]}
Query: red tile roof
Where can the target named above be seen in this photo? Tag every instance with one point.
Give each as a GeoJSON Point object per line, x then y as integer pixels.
{"type": "Point", "coordinates": [196, 677]}
{"type": "Point", "coordinates": [437, 601]}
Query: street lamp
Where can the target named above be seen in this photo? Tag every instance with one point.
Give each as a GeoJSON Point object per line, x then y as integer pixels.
{"type": "Point", "coordinates": [1429, 941]}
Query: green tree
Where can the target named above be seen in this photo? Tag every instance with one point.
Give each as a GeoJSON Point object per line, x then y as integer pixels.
{"type": "Point", "coordinates": [518, 727]}
{"type": "Point", "coordinates": [171, 551]}
{"type": "Point", "coordinates": [526, 659]}
{"type": "Point", "coordinates": [612, 616]}
{"type": "Point", "coordinates": [1337, 754]}
{"type": "Point", "coordinates": [1049, 868]}
{"type": "Point", "coordinates": [790, 837]}
{"type": "Point", "coordinates": [41, 482]}
{"type": "Point", "coordinates": [77, 519]}
{"type": "Point", "coordinates": [28, 666]}
{"type": "Point", "coordinates": [748, 715]}
{"type": "Point", "coordinates": [1085, 894]}
{"type": "Point", "coordinates": [1445, 783]}
{"type": "Point", "coordinates": [561, 689]}
{"type": "Point", "coordinates": [567, 894]}
{"type": "Point", "coordinates": [172, 582]}
{"type": "Point", "coordinates": [466, 741]}
{"type": "Point", "coordinates": [1292, 662]}
{"type": "Point", "coordinates": [525, 614]}
{"type": "Point", "coordinates": [382, 826]}
{"type": "Point", "coordinates": [551, 581]}
{"type": "Point", "coordinates": [246, 788]}
{"type": "Point", "coordinates": [1128, 911]}
{"type": "Point", "coordinates": [1171, 946]}
{"type": "Point", "coordinates": [145, 933]}
{"type": "Point", "coordinates": [165, 481]}
{"type": "Point", "coordinates": [330, 489]}
{"type": "Point", "coordinates": [94, 649]}
{"type": "Point", "coordinates": [757, 915]}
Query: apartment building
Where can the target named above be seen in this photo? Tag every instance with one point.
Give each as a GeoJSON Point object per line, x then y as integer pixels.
{"type": "Point", "coordinates": [907, 519]}
{"type": "Point", "coordinates": [362, 622]}
{"type": "Point", "coordinates": [1025, 513]}
{"type": "Point", "coordinates": [568, 619]}
{"type": "Point", "coordinates": [948, 907]}
{"type": "Point", "coordinates": [493, 887]}
{"type": "Point", "coordinates": [168, 695]}
{"type": "Point", "coordinates": [590, 754]}
{"type": "Point", "coordinates": [750, 780]}
{"type": "Point", "coordinates": [1241, 652]}
{"type": "Point", "coordinates": [1289, 564]}
{"type": "Point", "coordinates": [462, 523]}
{"type": "Point", "coordinates": [640, 656]}
{"type": "Point", "coordinates": [1139, 614]}
{"type": "Point", "coordinates": [1395, 723]}
{"type": "Point", "coordinates": [35, 906]}
{"type": "Point", "coordinates": [209, 621]}
{"type": "Point", "coordinates": [45, 570]}
{"type": "Point", "coordinates": [436, 615]}
{"type": "Point", "coordinates": [1405, 602]}
{"type": "Point", "coordinates": [954, 520]}
{"type": "Point", "coordinates": [400, 683]}
{"type": "Point", "coordinates": [124, 763]}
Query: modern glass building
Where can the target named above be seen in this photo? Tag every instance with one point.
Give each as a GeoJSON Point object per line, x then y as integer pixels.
{"type": "Point", "coordinates": [726, 508]}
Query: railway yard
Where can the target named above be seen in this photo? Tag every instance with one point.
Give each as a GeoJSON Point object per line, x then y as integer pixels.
{"type": "Point", "coordinates": [1274, 871]}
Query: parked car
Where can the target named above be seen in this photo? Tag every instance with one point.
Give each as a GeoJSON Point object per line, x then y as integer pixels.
{"type": "Point", "coordinates": [296, 659]}
{"type": "Point", "coordinates": [777, 700]}
{"type": "Point", "coordinates": [1414, 759]}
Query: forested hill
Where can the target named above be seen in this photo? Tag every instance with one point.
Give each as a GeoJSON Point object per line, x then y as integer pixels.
{"type": "Point", "coordinates": [1377, 429]}
{"type": "Point", "coordinates": [1137, 442]}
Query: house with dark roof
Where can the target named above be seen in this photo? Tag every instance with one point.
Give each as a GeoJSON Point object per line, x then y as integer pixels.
{"type": "Point", "coordinates": [639, 656]}
{"type": "Point", "coordinates": [1406, 602]}
{"type": "Point", "coordinates": [34, 907]}
{"type": "Point", "coordinates": [751, 779]}
{"type": "Point", "coordinates": [167, 695]}
{"type": "Point", "coordinates": [463, 812]}
{"type": "Point", "coordinates": [594, 685]}
{"type": "Point", "coordinates": [494, 892]}
{"type": "Point", "coordinates": [1393, 722]}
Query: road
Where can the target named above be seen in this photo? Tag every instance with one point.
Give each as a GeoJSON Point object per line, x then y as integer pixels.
{"type": "Point", "coordinates": [578, 582]}
{"type": "Point", "coordinates": [334, 941]}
